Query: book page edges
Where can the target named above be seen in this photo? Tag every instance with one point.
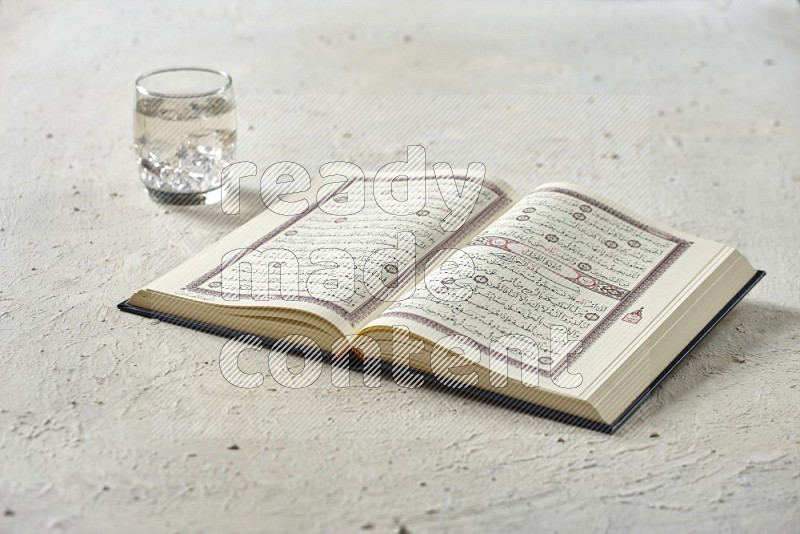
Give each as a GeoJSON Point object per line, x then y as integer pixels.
{"type": "Point", "coordinates": [655, 353]}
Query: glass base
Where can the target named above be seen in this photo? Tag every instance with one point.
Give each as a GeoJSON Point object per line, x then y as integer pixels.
{"type": "Point", "coordinates": [186, 199]}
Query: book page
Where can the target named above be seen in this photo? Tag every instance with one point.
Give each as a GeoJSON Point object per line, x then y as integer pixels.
{"type": "Point", "coordinates": [331, 261]}
{"type": "Point", "coordinates": [550, 277]}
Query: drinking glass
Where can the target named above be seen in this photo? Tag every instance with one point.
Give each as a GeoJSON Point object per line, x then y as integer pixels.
{"type": "Point", "coordinates": [184, 133]}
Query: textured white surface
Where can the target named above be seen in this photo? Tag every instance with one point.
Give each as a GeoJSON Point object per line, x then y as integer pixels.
{"type": "Point", "coordinates": [109, 422]}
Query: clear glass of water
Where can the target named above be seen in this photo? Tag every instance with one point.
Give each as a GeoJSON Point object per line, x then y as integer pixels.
{"type": "Point", "coordinates": [184, 133]}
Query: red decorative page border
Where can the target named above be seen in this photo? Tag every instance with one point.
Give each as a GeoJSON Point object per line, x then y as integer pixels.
{"type": "Point", "coordinates": [604, 324]}
{"type": "Point", "coordinates": [370, 304]}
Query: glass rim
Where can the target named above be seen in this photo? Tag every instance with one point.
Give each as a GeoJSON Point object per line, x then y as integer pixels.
{"type": "Point", "coordinates": [228, 81]}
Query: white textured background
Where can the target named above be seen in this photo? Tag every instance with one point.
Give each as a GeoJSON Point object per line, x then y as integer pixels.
{"type": "Point", "coordinates": [112, 423]}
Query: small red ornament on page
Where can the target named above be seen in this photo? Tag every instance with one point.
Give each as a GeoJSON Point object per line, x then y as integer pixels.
{"type": "Point", "coordinates": [633, 317]}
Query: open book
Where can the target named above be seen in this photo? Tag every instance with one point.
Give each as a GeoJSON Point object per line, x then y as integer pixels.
{"type": "Point", "coordinates": [560, 302]}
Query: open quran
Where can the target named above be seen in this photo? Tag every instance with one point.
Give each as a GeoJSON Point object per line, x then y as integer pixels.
{"type": "Point", "coordinates": [561, 302]}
